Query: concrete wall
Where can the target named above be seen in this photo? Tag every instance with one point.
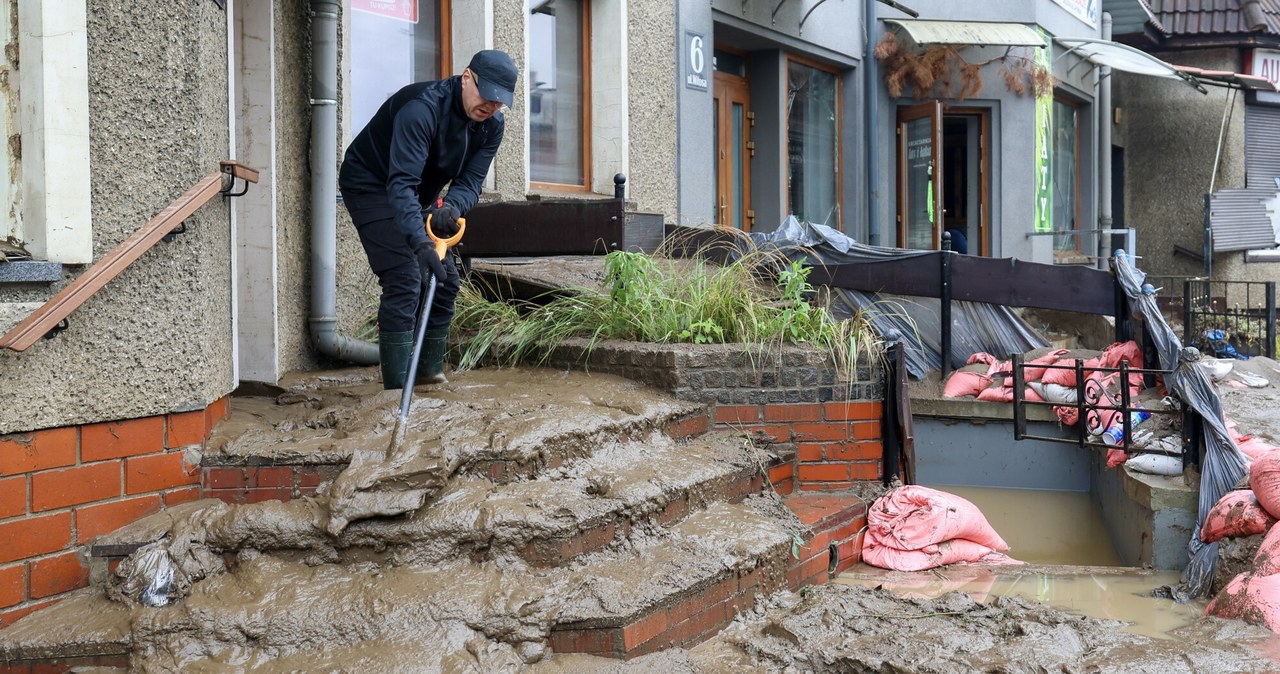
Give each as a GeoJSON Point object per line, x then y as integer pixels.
{"type": "Point", "coordinates": [1169, 132]}
{"type": "Point", "coordinates": [983, 453]}
{"type": "Point", "coordinates": [158, 338]}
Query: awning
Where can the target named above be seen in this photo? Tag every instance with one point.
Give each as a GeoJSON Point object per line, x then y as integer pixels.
{"type": "Point", "coordinates": [1122, 57]}
{"type": "Point", "coordinates": [977, 33]}
{"type": "Point", "coordinates": [1226, 78]}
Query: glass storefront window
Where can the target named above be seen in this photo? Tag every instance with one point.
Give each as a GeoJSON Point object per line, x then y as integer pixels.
{"type": "Point", "coordinates": [813, 141]}
{"type": "Point", "coordinates": [392, 44]}
{"type": "Point", "coordinates": [557, 87]}
{"type": "Point", "coordinates": [1064, 161]}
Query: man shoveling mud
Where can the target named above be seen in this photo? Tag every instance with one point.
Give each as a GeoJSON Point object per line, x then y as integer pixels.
{"type": "Point", "coordinates": [424, 136]}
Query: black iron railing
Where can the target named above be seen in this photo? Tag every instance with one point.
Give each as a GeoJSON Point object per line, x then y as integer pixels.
{"type": "Point", "coordinates": [1230, 318]}
{"type": "Point", "coordinates": [1092, 395]}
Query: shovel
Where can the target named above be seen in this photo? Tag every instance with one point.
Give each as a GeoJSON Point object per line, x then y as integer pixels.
{"type": "Point", "coordinates": [424, 310]}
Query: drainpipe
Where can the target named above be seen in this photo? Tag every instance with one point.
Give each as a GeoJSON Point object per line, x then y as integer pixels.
{"type": "Point", "coordinates": [872, 121]}
{"type": "Point", "coordinates": [1104, 150]}
{"type": "Point", "coordinates": [324, 188]}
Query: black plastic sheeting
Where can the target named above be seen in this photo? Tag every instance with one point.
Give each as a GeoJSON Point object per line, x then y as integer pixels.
{"type": "Point", "coordinates": [1222, 465]}
{"type": "Point", "coordinates": [975, 326]}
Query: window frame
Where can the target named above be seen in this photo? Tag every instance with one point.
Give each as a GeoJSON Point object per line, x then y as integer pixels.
{"type": "Point", "coordinates": [586, 129]}
{"type": "Point", "coordinates": [1076, 112]}
{"type": "Point", "coordinates": [444, 63]}
{"type": "Point", "coordinates": [839, 121]}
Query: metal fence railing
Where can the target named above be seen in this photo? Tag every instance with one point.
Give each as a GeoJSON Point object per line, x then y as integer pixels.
{"type": "Point", "coordinates": [1097, 403]}
{"type": "Point", "coordinates": [1227, 319]}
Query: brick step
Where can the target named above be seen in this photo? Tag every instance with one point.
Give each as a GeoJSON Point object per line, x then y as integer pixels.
{"type": "Point", "coordinates": [582, 507]}
{"type": "Point", "coordinates": [315, 422]}
{"type": "Point", "coordinates": [681, 589]}
{"type": "Point", "coordinates": [836, 522]}
{"type": "Point", "coordinates": [676, 587]}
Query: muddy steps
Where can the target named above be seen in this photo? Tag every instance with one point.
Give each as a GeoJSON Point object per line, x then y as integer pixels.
{"type": "Point", "coordinates": [641, 541]}
{"type": "Point", "coordinates": [669, 588]}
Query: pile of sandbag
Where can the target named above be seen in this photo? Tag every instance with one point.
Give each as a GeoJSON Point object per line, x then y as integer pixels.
{"type": "Point", "coordinates": [1051, 376]}
{"type": "Point", "coordinates": [1253, 595]}
{"type": "Point", "coordinates": [913, 528]}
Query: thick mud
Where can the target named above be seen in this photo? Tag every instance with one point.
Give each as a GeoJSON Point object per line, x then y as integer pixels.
{"type": "Point", "coordinates": [433, 565]}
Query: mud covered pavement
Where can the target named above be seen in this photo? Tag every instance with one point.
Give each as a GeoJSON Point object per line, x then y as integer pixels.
{"type": "Point", "coordinates": [530, 512]}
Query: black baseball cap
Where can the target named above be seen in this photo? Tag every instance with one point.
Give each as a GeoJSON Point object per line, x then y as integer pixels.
{"type": "Point", "coordinates": [495, 75]}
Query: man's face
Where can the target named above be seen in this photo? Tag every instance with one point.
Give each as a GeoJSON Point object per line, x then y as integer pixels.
{"type": "Point", "coordinates": [478, 109]}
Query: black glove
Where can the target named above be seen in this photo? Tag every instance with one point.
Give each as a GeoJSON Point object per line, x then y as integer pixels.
{"type": "Point", "coordinates": [428, 261]}
{"type": "Point", "coordinates": [443, 219]}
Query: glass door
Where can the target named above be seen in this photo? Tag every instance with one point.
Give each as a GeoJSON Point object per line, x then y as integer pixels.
{"type": "Point", "coordinates": [733, 152]}
{"type": "Point", "coordinates": [920, 175]}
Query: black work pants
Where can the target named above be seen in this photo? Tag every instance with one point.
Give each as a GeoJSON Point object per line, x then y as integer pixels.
{"type": "Point", "coordinates": [397, 270]}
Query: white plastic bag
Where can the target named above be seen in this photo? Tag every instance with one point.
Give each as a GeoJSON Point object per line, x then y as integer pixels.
{"type": "Point", "coordinates": [148, 574]}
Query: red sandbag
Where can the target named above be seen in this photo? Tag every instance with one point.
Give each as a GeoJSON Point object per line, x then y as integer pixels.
{"type": "Point", "coordinates": [1254, 448]}
{"type": "Point", "coordinates": [1035, 369]}
{"type": "Point", "coordinates": [913, 517]}
{"type": "Point", "coordinates": [1266, 561]}
{"type": "Point", "coordinates": [981, 357]}
{"type": "Point", "coordinates": [1130, 351]}
{"type": "Point", "coordinates": [996, 394]}
{"type": "Point", "coordinates": [1264, 480]}
{"type": "Point", "coordinates": [949, 552]}
{"type": "Point", "coordinates": [1250, 597]}
{"type": "Point", "coordinates": [1067, 376]}
{"type": "Point", "coordinates": [961, 384]}
{"type": "Point", "coordinates": [1235, 515]}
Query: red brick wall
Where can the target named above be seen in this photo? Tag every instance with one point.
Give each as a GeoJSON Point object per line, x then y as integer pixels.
{"type": "Point", "coordinates": [62, 487]}
{"type": "Point", "coordinates": [837, 443]}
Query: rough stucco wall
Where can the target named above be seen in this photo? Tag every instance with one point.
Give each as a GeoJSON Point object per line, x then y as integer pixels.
{"type": "Point", "coordinates": [158, 337]}
{"type": "Point", "coordinates": [293, 181]}
{"type": "Point", "coordinates": [1170, 135]}
{"type": "Point", "coordinates": [509, 165]}
{"type": "Point", "coordinates": [653, 171]}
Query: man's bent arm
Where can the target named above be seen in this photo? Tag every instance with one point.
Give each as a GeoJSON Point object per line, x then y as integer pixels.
{"type": "Point", "coordinates": [410, 146]}
{"type": "Point", "coordinates": [464, 191]}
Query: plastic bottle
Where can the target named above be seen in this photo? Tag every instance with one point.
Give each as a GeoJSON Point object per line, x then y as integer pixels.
{"type": "Point", "coordinates": [1114, 436]}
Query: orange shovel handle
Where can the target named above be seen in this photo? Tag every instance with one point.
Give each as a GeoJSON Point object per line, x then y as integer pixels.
{"type": "Point", "coordinates": [443, 244]}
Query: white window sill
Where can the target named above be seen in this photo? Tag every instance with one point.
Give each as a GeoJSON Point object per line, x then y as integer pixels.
{"type": "Point", "coordinates": [1264, 255]}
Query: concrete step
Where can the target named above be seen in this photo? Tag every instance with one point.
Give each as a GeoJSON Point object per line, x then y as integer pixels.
{"type": "Point", "coordinates": [641, 484]}
{"type": "Point", "coordinates": [674, 587]}
{"type": "Point", "coordinates": [86, 628]}
{"type": "Point", "coordinates": [326, 419]}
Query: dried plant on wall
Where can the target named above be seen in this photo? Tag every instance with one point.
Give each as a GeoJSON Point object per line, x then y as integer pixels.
{"type": "Point", "coordinates": [941, 71]}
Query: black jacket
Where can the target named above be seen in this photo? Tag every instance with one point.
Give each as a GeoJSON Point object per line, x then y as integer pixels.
{"type": "Point", "coordinates": [418, 140]}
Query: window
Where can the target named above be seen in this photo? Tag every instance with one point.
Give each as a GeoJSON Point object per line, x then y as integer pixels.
{"type": "Point", "coordinates": [813, 143]}
{"type": "Point", "coordinates": [394, 44]}
{"type": "Point", "coordinates": [559, 81]}
{"type": "Point", "coordinates": [1064, 153]}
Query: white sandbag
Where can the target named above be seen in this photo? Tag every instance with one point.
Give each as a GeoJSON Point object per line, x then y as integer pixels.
{"type": "Point", "coordinates": [1059, 394]}
{"type": "Point", "coordinates": [1155, 464]}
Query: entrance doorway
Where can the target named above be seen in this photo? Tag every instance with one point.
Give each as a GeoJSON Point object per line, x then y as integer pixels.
{"type": "Point", "coordinates": [943, 164]}
{"type": "Point", "coordinates": [733, 151]}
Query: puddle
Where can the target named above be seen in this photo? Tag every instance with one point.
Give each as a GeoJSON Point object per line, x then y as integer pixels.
{"type": "Point", "coordinates": [1055, 529]}
{"type": "Point", "coordinates": [1045, 527]}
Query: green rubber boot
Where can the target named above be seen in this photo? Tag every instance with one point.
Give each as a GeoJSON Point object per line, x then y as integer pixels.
{"type": "Point", "coordinates": [394, 351]}
{"type": "Point", "coordinates": [431, 360]}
